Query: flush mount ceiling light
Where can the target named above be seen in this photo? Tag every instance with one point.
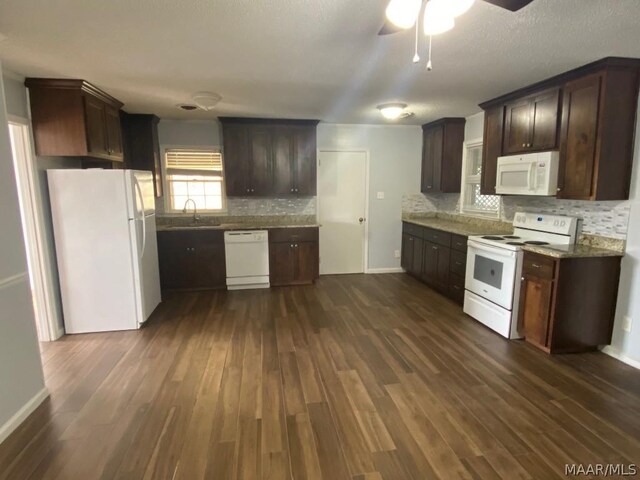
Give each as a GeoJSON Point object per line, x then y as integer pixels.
{"type": "Point", "coordinates": [436, 19]}
{"type": "Point", "coordinates": [394, 111]}
{"type": "Point", "coordinates": [206, 100]}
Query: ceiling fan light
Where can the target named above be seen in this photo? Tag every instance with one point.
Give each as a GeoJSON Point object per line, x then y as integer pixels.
{"type": "Point", "coordinates": [392, 111]}
{"type": "Point", "coordinates": [436, 20]}
{"type": "Point", "coordinates": [403, 13]}
{"type": "Point", "coordinates": [453, 8]}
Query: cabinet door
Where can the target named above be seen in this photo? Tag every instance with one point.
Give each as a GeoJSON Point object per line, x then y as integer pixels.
{"type": "Point", "coordinates": [282, 263]}
{"type": "Point", "coordinates": [491, 149]}
{"type": "Point", "coordinates": [544, 117]}
{"type": "Point", "coordinates": [283, 183]}
{"type": "Point", "coordinates": [406, 260]}
{"type": "Point", "coordinates": [535, 308]}
{"type": "Point", "coordinates": [176, 256]}
{"type": "Point", "coordinates": [114, 132]}
{"type": "Point", "coordinates": [430, 263]}
{"type": "Point", "coordinates": [236, 160]}
{"type": "Point", "coordinates": [306, 262]}
{"type": "Point", "coordinates": [210, 269]}
{"type": "Point", "coordinates": [432, 159]}
{"type": "Point", "coordinates": [304, 153]}
{"type": "Point", "coordinates": [416, 257]}
{"type": "Point", "coordinates": [261, 160]}
{"type": "Point", "coordinates": [442, 267]}
{"type": "Point", "coordinates": [94, 111]}
{"type": "Point", "coordinates": [517, 127]}
{"type": "Point", "coordinates": [580, 108]}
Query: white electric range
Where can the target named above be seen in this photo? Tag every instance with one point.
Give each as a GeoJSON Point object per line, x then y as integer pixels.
{"type": "Point", "coordinates": [494, 267]}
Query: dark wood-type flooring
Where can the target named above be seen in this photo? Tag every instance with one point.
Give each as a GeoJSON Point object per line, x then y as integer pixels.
{"type": "Point", "coordinates": [358, 377]}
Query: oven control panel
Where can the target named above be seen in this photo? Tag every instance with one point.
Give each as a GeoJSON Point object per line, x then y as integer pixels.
{"type": "Point", "coordinates": [546, 223]}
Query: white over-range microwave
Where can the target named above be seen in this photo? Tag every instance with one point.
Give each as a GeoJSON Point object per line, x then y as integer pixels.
{"type": "Point", "coordinates": [528, 174]}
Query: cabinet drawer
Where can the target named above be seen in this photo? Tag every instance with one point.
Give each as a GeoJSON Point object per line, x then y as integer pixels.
{"type": "Point", "coordinates": [437, 236]}
{"type": "Point", "coordinates": [538, 266]}
{"type": "Point", "coordinates": [277, 235]}
{"type": "Point", "coordinates": [456, 288]}
{"type": "Point", "coordinates": [412, 229]}
{"type": "Point", "coordinates": [459, 242]}
{"type": "Point", "coordinates": [458, 263]}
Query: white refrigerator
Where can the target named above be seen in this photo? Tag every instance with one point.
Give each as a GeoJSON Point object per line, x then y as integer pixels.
{"type": "Point", "coordinates": [105, 236]}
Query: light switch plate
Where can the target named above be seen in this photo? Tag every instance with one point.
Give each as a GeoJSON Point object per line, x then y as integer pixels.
{"type": "Point", "coordinates": [626, 323]}
{"type": "Point", "coordinates": [396, 253]}
{"type": "Point", "coordinates": [380, 196]}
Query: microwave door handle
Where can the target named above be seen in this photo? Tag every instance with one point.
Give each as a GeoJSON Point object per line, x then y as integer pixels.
{"type": "Point", "coordinates": [532, 177]}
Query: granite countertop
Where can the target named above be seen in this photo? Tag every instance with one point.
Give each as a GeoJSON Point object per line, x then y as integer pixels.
{"type": "Point", "coordinates": [233, 226]}
{"type": "Point", "coordinates": [461, 225]}
{"type": "Point", "coordinates": [572, 251]}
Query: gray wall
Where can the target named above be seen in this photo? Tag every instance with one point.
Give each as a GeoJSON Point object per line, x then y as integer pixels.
{"type": "Point", "coordinates": [394, 168]}
{"type": "Point", "coordinates": [628, 344]}
{"type": "Point", "coordinates": [17, 105]}
{"type": "Point", "coordinates": [21, 376]}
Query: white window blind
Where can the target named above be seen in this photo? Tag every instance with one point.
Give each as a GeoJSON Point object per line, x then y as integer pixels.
{"type": "Point", "coordinates": [472, 202]}
{"type": "Point", "coordinates": [195, 174]}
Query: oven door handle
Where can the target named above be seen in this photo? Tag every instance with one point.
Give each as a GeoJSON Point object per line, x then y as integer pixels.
{"type": "Point", "coordinates": [495, 251]}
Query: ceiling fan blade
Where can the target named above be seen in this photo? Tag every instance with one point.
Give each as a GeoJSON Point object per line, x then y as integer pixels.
{"type": "Point", "coordinates": [388, 28]}
{"type": "Point", "coordinates": [513, 5]}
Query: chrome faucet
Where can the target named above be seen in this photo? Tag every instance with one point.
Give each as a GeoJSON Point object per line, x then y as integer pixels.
{"type": "Point", "coordinates": [196, 217]}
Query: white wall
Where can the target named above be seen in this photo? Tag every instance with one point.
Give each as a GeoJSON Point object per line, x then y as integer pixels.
{"type": "Point", "coordinates": [17, 105]}
{"type": "Point", "coordinates": [394, 168]}
{"type": "Point", "coordinates": [21, 379]}
{"type": "Point", "coordinates": [628, 344]}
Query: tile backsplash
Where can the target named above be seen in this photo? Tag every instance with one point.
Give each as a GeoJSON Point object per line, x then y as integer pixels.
{"type": "Point", "coordinates": [251, 206]}
{"type": "Point", "coordinates": [607, 219]}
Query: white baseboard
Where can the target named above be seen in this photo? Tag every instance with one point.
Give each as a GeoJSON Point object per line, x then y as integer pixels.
{"type": "Point", "coordinates": [615, 353]}
{"type": "Point", "coordinates": [385, 270]}
{"type": "Point", "coordinates": [59, 333]}
{"type": "Point", "coordinates": [21, 415]}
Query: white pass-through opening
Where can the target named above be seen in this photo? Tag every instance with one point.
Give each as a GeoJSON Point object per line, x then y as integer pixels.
{"type": "Point", "coordinates": [342, 178]}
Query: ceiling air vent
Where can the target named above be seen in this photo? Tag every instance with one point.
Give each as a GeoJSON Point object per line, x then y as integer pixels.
{"type": "Point", "coordinates": [187, 106]}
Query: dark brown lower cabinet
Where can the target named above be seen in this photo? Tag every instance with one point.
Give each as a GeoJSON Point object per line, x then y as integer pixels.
{"type": "Point", "coordinates": [191, 259]}
{"type": "Point", "coordinates": [435, 257]}
{"type": "Point", "coordinates": [293, 256]}
{"type": "Point", "coordinates": [568, 304]}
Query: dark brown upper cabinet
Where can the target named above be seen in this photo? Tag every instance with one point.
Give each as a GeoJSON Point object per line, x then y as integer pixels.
{"type": "Point", "coordinates": [269, 157]}
{"type": "Point", "coordinates": [587, 113]}
{"type": "Point", "coordinates": [491, 148]}
{"type": "Point", "coordinates": [442, 155]}
{"type": "Point", "coordinates": [531, 123]}
{"type": "Point", "coordinates": [596, 140]}
{"type": "Point", "coordinates": [141, 145]}
{"type": "Point", "coordinates": [72, 118]}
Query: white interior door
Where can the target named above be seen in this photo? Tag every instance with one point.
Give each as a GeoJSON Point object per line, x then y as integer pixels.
{"type": "Point", "coordinates": [342, 211]}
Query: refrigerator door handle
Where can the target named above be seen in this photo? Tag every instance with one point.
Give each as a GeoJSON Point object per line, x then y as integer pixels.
{"type": "Point", "coordinates": [142, 219]}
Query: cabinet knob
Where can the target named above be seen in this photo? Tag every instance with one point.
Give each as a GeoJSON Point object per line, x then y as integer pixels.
{"type": "Point", "coordinates": [292, 190]}
{"type": "Point", "coordinates": [291, 245]}
{"type": "Point", "coordinates": [429, 186]}
{"type": "Point", "coordinates": [559, 189]}
{"type": "Point", "coordinates": [535, 265]}
{"type": "Point", "coordinates": [529, 145]}
{"type": "Point", "coordinates": [522, 278]}
{"type": "Point", "coordinates": [253, 190]}
{"type": "Point", "coordinates": [296, 189]}
{"type": "Point", "coordinates": [248, 189]}
{"type": "Point", "coordinates": [524, 145]}
{"type": "Point", "coordinates": [435, 248]}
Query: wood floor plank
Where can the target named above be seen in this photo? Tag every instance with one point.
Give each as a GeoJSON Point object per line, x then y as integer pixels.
{"type": "Point", "coordinates": [359, 377]}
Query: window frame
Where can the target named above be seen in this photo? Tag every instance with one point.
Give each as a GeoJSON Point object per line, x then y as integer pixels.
{"type": "Point", "coordinates": [167, 197]}
{"type": "Point", "coordinates": [465, 208]}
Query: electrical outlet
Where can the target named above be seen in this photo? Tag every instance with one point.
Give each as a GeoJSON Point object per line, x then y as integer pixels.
{"type": "Point", "coordinates": [380, 195]}
{"type": "Point", "coordinates": [396, 253]}
{"type": "Point", "coordinates": [626, 323]}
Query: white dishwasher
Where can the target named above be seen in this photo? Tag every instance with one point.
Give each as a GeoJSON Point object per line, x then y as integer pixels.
{"type": "Point", "coordinates": [247, 259]}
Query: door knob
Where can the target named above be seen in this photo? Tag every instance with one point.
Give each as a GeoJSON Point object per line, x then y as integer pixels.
{"type": "Point", "coordinates": [361, 220]}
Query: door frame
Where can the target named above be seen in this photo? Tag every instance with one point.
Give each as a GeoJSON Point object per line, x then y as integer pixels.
{"type": "Point", "coordinates": [39, 263]}
{"type": "Point", "coordinates": [365, 260]}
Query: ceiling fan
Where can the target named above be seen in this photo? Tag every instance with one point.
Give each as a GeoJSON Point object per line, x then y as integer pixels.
{"type": "Point", "coordinates": [389, 27]}
{"type": "Point", "coordinates": [438, 16]}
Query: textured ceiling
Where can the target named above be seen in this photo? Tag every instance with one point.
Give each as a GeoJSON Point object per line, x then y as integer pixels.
{"type": "Point", "coordinates": [303, 58]}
